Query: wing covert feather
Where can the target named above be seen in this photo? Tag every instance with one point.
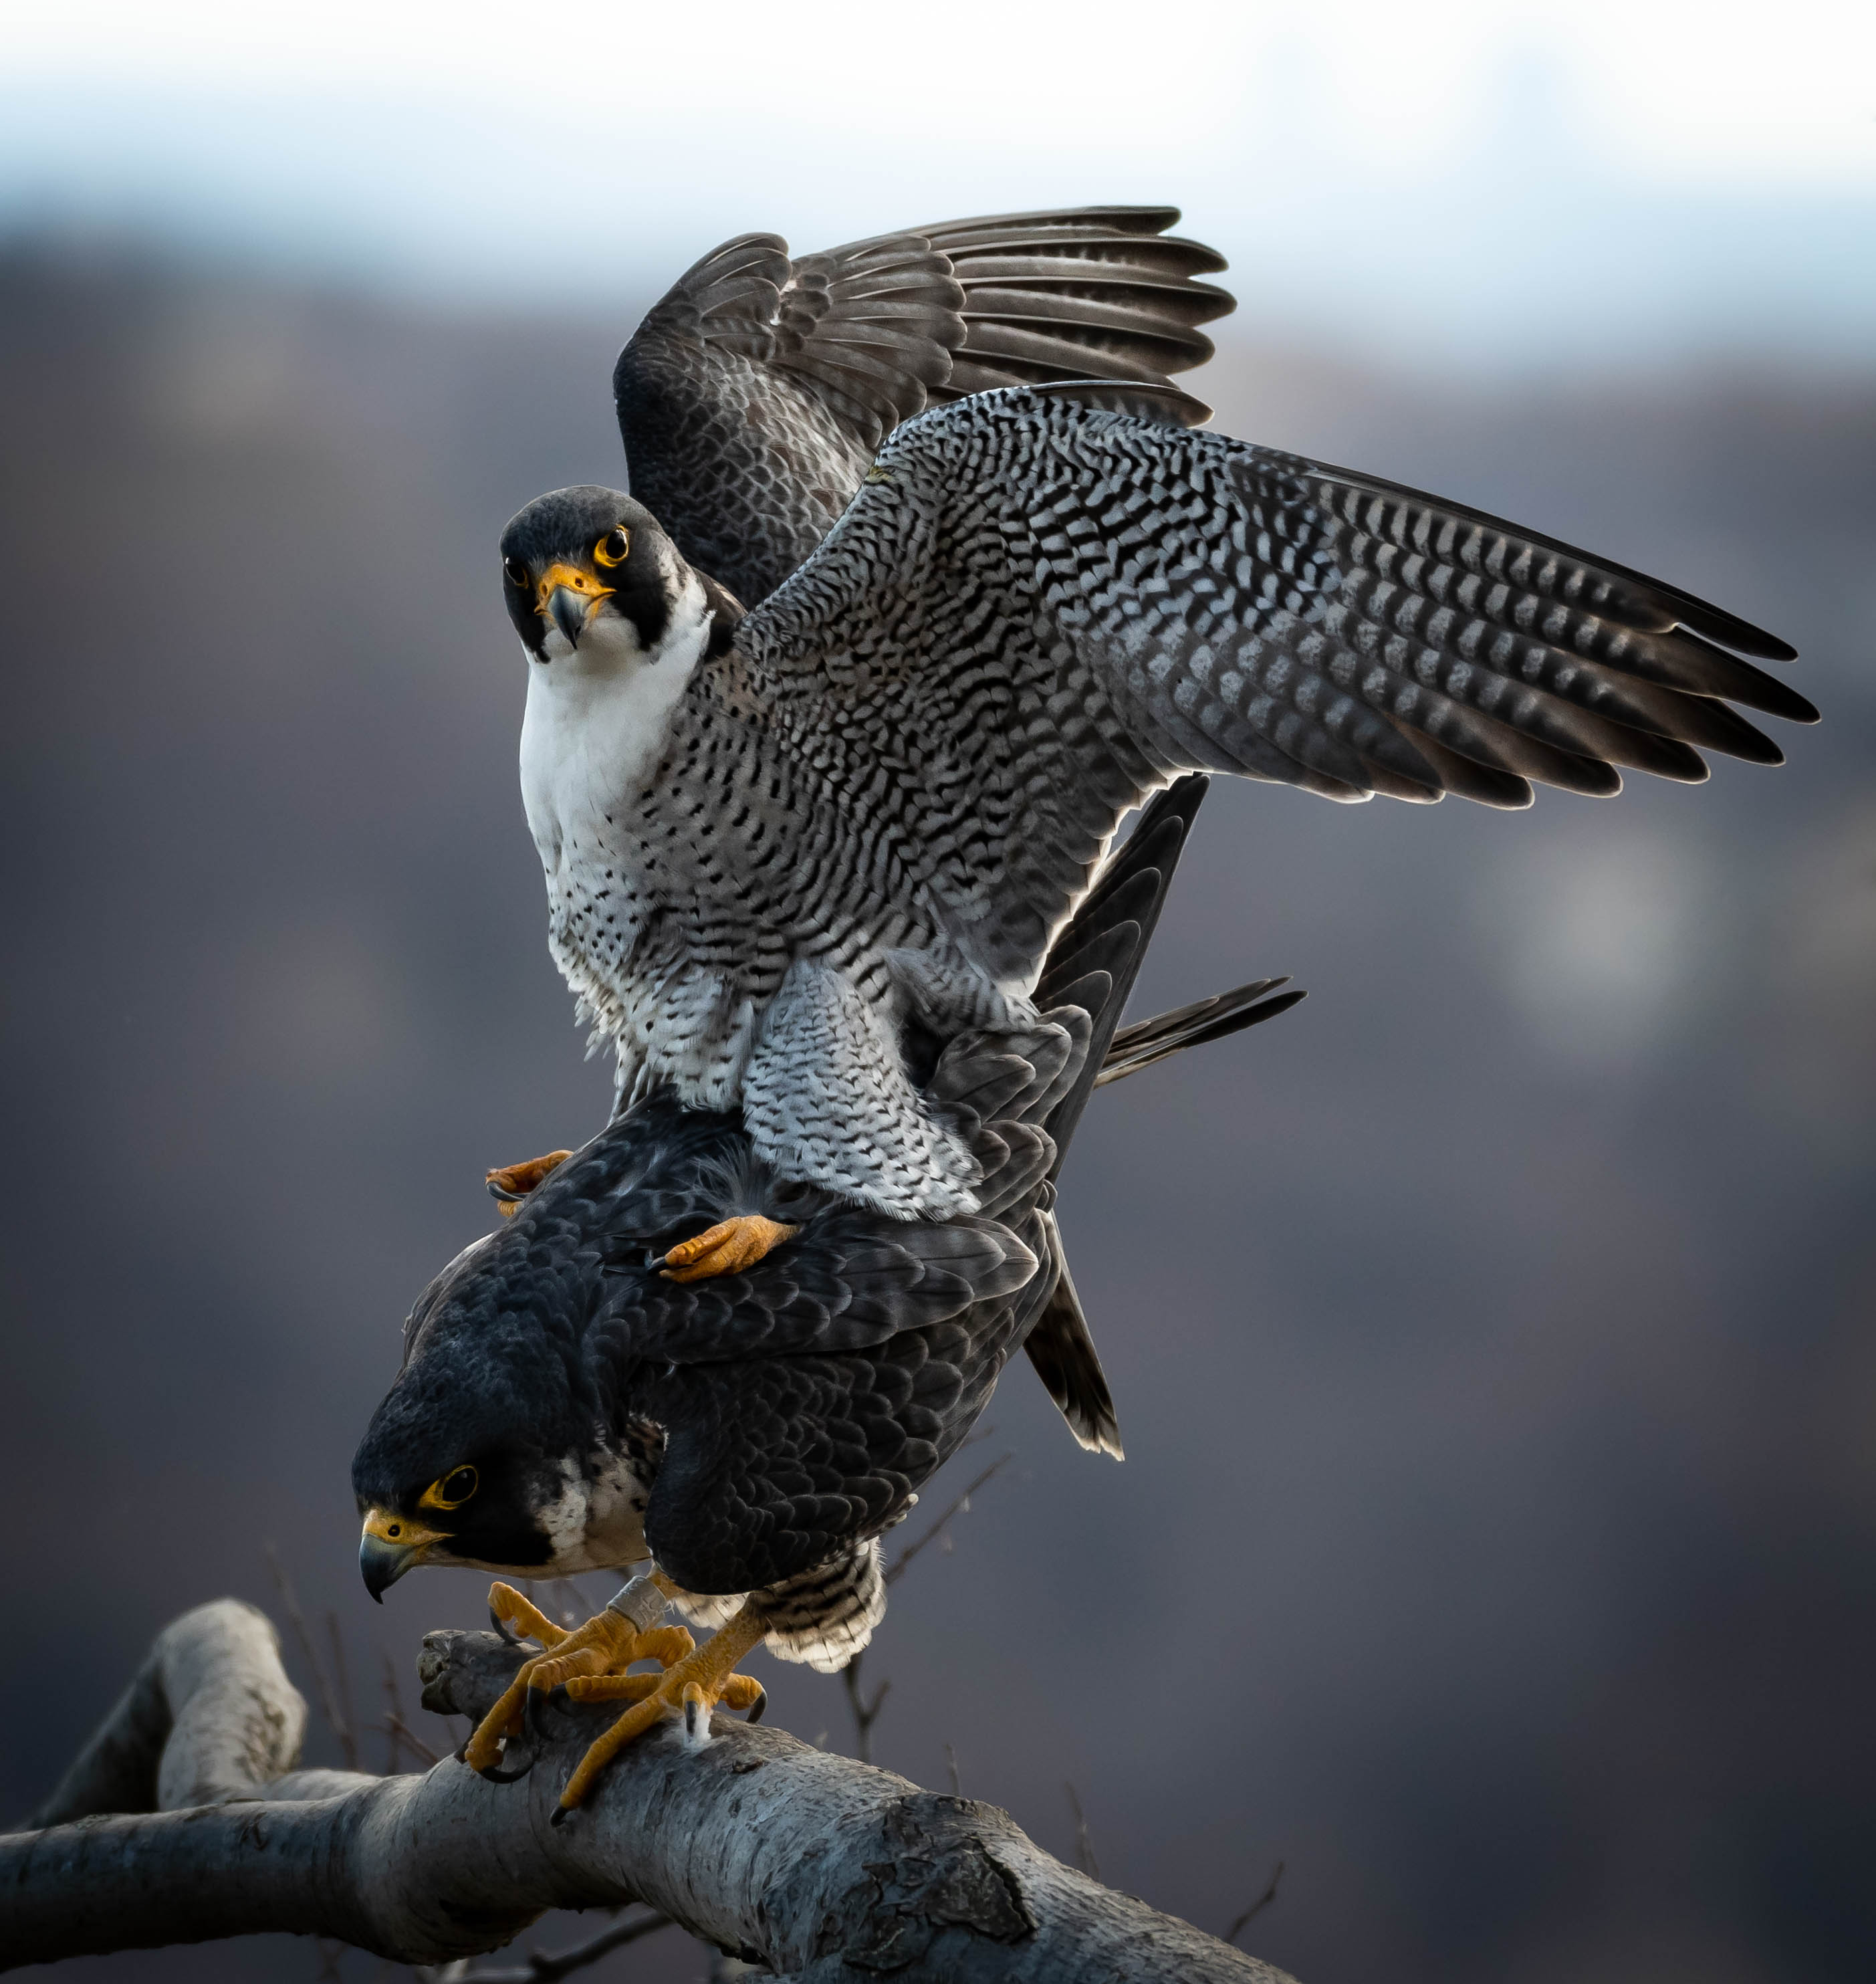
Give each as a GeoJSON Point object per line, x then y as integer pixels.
{"type": "Point", "coordinates": [856, 1278]}
{"type": "Point", "coordinates": [1045, 610]}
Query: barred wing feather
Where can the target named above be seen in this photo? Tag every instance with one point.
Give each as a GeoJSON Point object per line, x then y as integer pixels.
{"type": "Point", "coordinates": [1047, 602]}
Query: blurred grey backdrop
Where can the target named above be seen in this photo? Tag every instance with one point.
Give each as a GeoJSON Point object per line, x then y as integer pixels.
{"type": "Point", "coordinates": [1495, 1336]}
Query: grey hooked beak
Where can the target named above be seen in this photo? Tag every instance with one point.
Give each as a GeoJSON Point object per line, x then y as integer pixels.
{"type": "Point", "coordinates": [389, 1546]}
{"type": "Point", "coordinates": [568, 609]}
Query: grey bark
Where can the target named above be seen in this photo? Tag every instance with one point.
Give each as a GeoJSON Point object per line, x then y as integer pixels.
{"type": "Point", "coordinates": [810, 1864]}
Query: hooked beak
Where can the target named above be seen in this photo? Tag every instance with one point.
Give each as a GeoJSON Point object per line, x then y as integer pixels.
{"type": "Point", "coordinates": [391, 1545]}
{"type": "Point", "coordinates": [567, 596]}
{"type": "Point", "coordinates": [567, 611]}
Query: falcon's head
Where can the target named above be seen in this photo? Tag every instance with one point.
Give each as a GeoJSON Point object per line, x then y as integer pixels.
{"type": "Point", "coordinates": [490, 1451]}
{"type": "Point", "coordinates": [591, 580]}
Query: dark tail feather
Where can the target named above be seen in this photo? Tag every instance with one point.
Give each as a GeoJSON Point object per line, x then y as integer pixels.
{"type": "Point", "coordinates": [1215, 1019]}
{"type": "Point", "coordinates": [1109, 935]}
{"type": "Point", "coordinates": [1063, 1352]}
{"type": "Point", "coordinates": [1127, 898]}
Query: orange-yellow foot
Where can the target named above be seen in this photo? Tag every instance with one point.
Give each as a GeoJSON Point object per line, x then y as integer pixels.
{"type": "Point", "coordinates": [689, 1689]}
{"type": "Point", "coordinates": [510, 1184]}
{"type": "Point", "coordinates": [736, 1244]}
{"type": "Point", "coordinates": [602, 1649]}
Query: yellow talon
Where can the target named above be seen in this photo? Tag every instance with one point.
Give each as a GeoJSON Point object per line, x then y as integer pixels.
{"type": "Point", "coordinates": [726, 1248]}
{"type": "Point", "coordinates": [510, 1184]}
{"type": "Point", "coordinates": [600, 1650]}
{"type": "Point", "coordinates": [689, 1689]}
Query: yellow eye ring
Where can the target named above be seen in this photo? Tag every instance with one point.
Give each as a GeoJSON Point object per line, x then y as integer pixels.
{"type": "Point", "coordinates": [613, 549]}
{"type": "Point", "coordinates": [451, 1491]}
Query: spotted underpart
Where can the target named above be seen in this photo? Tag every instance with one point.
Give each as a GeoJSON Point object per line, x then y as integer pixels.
{"type": "Point", "coordinates": [874, 810]}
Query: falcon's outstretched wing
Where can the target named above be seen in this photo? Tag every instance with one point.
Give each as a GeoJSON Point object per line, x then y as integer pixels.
{"type": "Point", "coordinates": [751, 399]}
{"type": "Point", "coordinates": [1040, 607]}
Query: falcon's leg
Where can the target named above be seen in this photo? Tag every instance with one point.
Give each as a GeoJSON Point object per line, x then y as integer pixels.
{"type": "Point", "coordinates": [691, 1689]}
{"type": "Point", "coordinates": [510, 1184]}
{"type": "Point", "coordinates": [604, 1647]}
{"type": "Point", "coordinates": [726, 1248]}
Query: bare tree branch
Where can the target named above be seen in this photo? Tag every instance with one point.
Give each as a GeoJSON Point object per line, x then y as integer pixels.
{"type": "Point", "coordinates": [865, 1713]}
{"type": "Point", "coordinates": [328, 1700]}
{"type": "Point", "coordinates": [1084, 1844]}
{"type": "Point", "coordinates": [347, 1730]}
{"type": "Point", "coordinates": [544, 1966]}
{"type": "Point", "coordinates": [960, 1506]}
{"type": "Point", "coordinates": [1258, 1907]}
{"type": "Point", "coordinates": [805, 1862]}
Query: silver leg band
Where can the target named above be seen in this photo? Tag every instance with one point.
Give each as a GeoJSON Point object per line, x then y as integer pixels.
{"type": "Point", "coordinates": [641, 1603]}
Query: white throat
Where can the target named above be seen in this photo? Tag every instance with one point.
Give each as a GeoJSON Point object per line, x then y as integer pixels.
{"type": "Point", "coordinates": [597, 719]}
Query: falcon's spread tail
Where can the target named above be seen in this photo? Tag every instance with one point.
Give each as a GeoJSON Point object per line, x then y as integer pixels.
{"type": "Point", "coordinates": [1094, 964]}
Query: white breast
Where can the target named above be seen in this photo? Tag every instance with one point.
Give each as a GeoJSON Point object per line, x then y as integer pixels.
{"type": "Point", "coordinates": [596, 721]}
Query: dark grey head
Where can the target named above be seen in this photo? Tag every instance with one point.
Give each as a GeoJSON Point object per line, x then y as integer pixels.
{"type": "Point", "coordinates": [482, 1450]}
{"type": "Point", "coordinates": [587, 570]}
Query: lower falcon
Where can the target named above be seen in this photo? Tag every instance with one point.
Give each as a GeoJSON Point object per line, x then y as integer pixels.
{"type": "Point", "coordinates": [564, 1406]}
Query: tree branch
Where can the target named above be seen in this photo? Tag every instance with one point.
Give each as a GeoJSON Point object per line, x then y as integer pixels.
{"type": "Point", "coordinates": [810, 1864]}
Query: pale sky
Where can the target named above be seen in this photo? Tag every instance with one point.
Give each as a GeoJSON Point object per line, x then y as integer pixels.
{"type": "Point", "coordinates": [1492, 170]}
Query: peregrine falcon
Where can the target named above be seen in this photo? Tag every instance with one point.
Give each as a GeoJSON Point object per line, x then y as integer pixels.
{"type": "Point", "coordinates": [791, 853]}
{"type": "Point", "coordinates": [566, 1405]}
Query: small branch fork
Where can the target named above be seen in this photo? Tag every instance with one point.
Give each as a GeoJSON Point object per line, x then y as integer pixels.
{"type": "Point", "coordinates": [866, 1712]}
{"type": "Point", "coordinates": [960, 1507]}
{"type": "Point", "coordinates": [544, 1966]}
{"type": "Point", "coordinates": [184, 1820]}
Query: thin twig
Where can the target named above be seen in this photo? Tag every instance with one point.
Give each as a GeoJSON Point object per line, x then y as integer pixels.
{"type": "Point", "coordinates": [399, 1731]}
{"type": "Point", "coordinates": [1084, 1845]}
{"type": "Point", "coordinates": [393, 1724]}
{"type": "Point", "coordinates": [328, 1703]}
{"type": "Point", "coordinates": [543, 1966]}
{"type": "Point", "coordinates": [342, 1689]}
{"type": "Point", "coordinates": [960, 1506]}
{"type": "Point", "coordinates": [1257, 1907]}
{"type": "Point", "coordinates": [865, 1713]}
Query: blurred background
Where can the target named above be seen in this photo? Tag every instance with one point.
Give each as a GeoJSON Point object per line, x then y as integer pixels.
{"type": "Point", "coordinates": [1495, 1336]}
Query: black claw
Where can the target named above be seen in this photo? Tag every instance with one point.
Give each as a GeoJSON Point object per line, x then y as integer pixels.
{"type": "Point", "coordinates": [461, 1756]}
{"type": "Point", "coordinates": [502, 1628]}
{"type": "Point", "coordinates": [500, 1776]}
{"type": "Point", "coordinates": [756, 1708]}
{"type": "Point", "coordinates": [561, 1813]}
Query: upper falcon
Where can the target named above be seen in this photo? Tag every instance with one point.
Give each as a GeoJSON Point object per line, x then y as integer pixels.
{"type": "Point", "coordinates": [790, 854]}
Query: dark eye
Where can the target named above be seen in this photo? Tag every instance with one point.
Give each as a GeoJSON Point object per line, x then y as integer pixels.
{"type": "Point", "coordinates": [516, 573]}
{"type": "Point", "coordinates": [613, 549]}
{"type": "Point", "coordinates": [452, 1491]}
